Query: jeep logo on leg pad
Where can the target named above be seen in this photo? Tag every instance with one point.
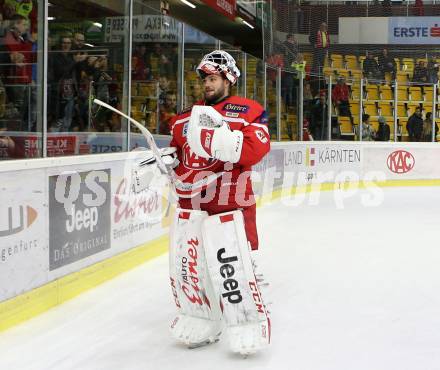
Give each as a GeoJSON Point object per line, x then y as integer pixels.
{"type": "Point", "coordinates": [227, 271]}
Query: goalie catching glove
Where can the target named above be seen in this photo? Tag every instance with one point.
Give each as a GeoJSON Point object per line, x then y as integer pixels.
{"type": "Point", "coordinates": [209, 136]}
{"type": "Point", "coordinates": [146, 169]}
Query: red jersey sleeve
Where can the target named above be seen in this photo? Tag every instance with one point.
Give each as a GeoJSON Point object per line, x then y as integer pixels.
{"type": "Point", "coordinates": [256, 138]}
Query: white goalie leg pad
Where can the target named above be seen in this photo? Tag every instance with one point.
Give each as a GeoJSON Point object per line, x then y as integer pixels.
{"type": "Point", "coordinates": [198, 321]}
{"type": "Point", "coordinates": [233, 278]}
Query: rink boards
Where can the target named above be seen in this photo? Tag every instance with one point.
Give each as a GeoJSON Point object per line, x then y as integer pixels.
{"type": "Point", "coordinates": [70, 223]}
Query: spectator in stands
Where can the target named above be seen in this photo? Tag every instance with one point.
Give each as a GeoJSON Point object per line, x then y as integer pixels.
{"type": "Point", "coordinates": [307, 136]}
{"type": "Point", "coordinates": [308, 98]}
{"type": "Point", "coordinates": [387, 64]}
{"type": "Point", "coordinates": [319, 118]}
{"type": "Point", "coordinates": [166, 59]}
{"type": "Point", "coordinates": [340, 97]}
{"type": "Point", "coordinates": [387, 10]}
{"type": "Point", "coordinates": [79, 42]}
{"type": "Point", "coordinates": [196, 94]}
{"type": "Point", "coordinates": [371, 68]}
{"type": "Point", "coordinates": [420, 72]}
{"type": "Point", "coordinates": [101, 78]}
{"type": "Point", "coordinates": [427, 128]}
{"type": "Point", "coordinates": [80, 50]}
{"type": "Point", "coordinates": [20, 7]}
{"type": "Point", "coordinates": [63, 83]}
{"type": "Point", "coordinates": [275, 60]}
{"type": "Point", "coordinates": [383, 131]}
{"type": "Point", "coordinates": [164, 86]}
{"type": "Point", "coordinates": [368, 133]}
{"type": "Point", "coordinates": [167, 111]}
{"type": "Point", "coordinates": [291, 50]}
{"type": "Point", "coordinates": [414, 125]}
{"type": "Point", "coordinates": [17, 59]}
{"type": "Point", "coordinates": [321, 44]}
{"type": "Point", "coordinates": [141, 71]}
{"type": "Point", "coordinates": [433, 69]}
{"type": "Point", "coordinates": [419, 9]}
{"type": "Point", "coordinates": [7, 145]}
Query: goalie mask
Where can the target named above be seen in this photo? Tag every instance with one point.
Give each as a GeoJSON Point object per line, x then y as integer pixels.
{"type": "Point", "coordinates": [219, 62]}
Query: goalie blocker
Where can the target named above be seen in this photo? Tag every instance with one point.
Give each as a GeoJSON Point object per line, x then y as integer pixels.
{"type": "Point", "coordinates": [214, 284]}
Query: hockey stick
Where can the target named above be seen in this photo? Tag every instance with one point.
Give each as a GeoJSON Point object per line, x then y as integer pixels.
{"type": "Point", "coordinates": [150, 140]}
{"type": "Point", "coordinates": [169, 173]}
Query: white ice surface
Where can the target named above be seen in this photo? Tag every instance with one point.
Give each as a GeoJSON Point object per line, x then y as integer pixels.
{"type": "Point", "coordinates": [353, 289]}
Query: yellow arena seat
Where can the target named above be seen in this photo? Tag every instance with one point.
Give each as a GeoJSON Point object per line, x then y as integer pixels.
{"type": "Point", "coordinates": [386, 93]}
{"type": "Point", "coordinates": [428, 93]}
{"type": "Point", "coordinates": [355, 74]}
{"type": "Point", "coordinates": [351, 62]}
{"type": "Point", "coordinates": [370, 108]}
{"type": "Point", "coordinates": [402, 77]}
{"type": "Point", "coordinates": [337, 61]}
{"type": "Point", "coordinates": [401, 110]}
{"type": "Point", "coordinates": [415, 93]}
{"type": "Point", "coordinates": [354, 107]}
{"type": "Point", "coordinates": [386, 109]}
{"type": "Point", "coordinates": [372, 92]}
{"type": "Point", "coordinates": [355, 92]}
{"type": "Point", "coordinates": [345, 125]}
{"type": "Point", "coordinates": [402, 93]}
{"type": "Point", "coordinates": [402, 127]}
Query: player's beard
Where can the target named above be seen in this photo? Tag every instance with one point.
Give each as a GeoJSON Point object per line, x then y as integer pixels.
{"type": "Point", "coordinates": [216, 96]}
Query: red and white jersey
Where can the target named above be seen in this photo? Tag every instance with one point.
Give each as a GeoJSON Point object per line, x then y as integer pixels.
{"type": "Point", "coordinates": [197, 174]}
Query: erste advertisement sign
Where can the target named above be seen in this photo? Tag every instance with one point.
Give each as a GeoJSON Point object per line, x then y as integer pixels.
{"type": "Point", "coordinates": [414, 30]}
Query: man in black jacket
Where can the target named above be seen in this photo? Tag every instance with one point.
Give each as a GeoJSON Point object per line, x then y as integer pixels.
{"type": "Point", "coordinates": [387, 64]}
{"type": "Point", "coordinates": [383, 131]}
{"type": "Point", "coordinates": [415, 125]}
{"type": "Point", "coordinates": [371, 68]}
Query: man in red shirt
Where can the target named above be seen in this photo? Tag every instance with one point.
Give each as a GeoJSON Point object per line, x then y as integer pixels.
{"type": "Point", "coordinates": [246, 118]}
{"type": "Point", "coordinates": [321, 44]}
{"type": "Point", "coordinates": [341, 98]}
{"type": "Point", "coordinates": [17, 64]}
{"type": "Point", "coordinates": [212, 274]}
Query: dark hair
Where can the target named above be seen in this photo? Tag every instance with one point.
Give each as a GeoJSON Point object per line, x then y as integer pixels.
{"type": "Point", "coordinates": [17, 18]}
{"type": "Point", "coordinates": [365, 117]}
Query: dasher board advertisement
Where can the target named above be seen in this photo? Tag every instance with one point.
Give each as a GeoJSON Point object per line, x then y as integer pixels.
{"type": "Point", "coordinates": [23, 237]}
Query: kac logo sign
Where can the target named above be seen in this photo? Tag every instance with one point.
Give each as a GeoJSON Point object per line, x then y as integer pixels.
{"type": "Point", "coordinates": [400, 161]}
